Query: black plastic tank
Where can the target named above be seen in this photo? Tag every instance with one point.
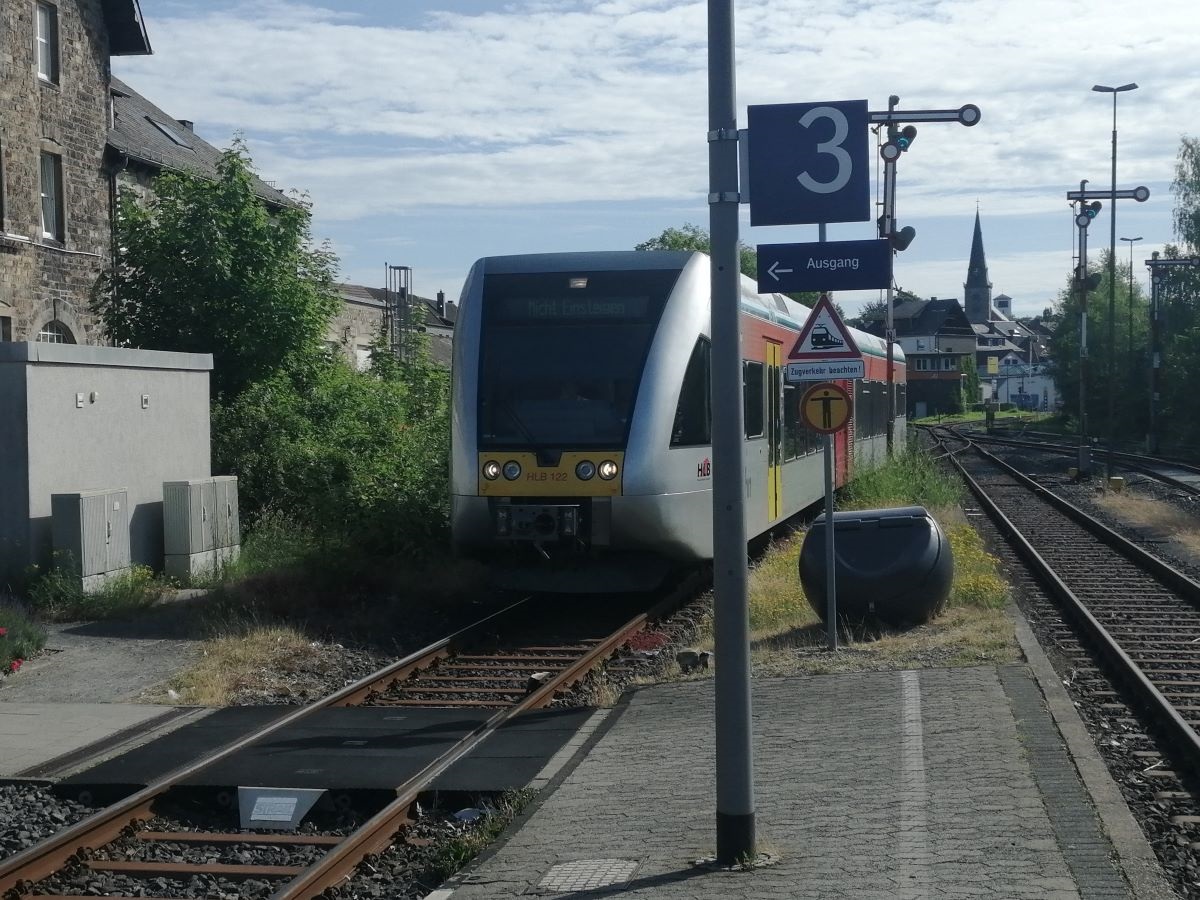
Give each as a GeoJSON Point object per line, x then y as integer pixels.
{"type": "Point", "coordinates": [894, 565]}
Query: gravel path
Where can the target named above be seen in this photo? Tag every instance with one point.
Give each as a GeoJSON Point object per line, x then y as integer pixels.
{"type": "Point", "coordinates": [104, 662]}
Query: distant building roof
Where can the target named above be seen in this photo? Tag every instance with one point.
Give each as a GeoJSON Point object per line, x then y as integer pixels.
{"type": "Point", "coordinates": [126, 30]}
{"type": "Point", "coordinates": [371, 296]}
{"type": "Point", "coordinates": [143, 132]}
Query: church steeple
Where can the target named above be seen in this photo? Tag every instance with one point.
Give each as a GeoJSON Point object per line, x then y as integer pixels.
{"type": "Point", "coordinates": [977, 291]}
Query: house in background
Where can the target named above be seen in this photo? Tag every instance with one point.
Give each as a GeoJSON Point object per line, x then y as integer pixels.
{"type": "Point", "coordinates": [365, 312]}
{"type": "Point", "coordinates": [55, 188]}
{"type": "Point", "coordinates": [937, 340]}
{"type": "Point", "coordinates": [1011, 356]}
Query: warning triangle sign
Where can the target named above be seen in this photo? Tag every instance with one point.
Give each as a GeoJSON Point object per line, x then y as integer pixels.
{"type": "Point", "coordinates": [825, 335]}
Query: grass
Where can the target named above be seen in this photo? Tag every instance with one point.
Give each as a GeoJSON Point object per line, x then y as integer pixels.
{"type": "Point", "coordinates": [234, 662]}
{"type": "Point", "coordinates": [1182, 527]}
{"type": "Point", "coordinates": [1004, 417]}
{"type": "Point", "coordinates": [22, 637]}
{"type": "Point", "coordinates": [451, 856]}
{"type": "Point", "coordinates": [58, 596]}
{"type": "Point", "coordinates": [788, 637]}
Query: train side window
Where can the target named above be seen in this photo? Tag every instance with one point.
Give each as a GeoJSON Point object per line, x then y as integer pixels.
{"type": "Point", "coordinates": [793, 430]}
{"type": "Point", "coordinates": [753, 396]}
{"type": "Point", "coordinates": [693, 416]}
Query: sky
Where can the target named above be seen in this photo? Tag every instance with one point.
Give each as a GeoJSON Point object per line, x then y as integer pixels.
{"type": "Point", "coordinates": [430, 133]}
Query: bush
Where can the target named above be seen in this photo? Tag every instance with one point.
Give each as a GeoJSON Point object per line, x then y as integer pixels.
{"type": "Point", "coordinates": [908, 478]}
{"type": "Point", "coordinates": [57, 594]}
{"type": "Point", "coordinates": [359, 457]}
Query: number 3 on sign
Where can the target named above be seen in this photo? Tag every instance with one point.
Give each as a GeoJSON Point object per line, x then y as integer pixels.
{"type": "Point", "coordinates": [833, 147]}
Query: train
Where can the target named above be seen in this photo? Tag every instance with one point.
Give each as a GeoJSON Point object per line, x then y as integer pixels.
{"type": "Point", "coordinates": [581, 455]}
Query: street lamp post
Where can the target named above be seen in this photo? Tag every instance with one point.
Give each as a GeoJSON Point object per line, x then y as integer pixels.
{"type": "Point", "coordinates": [1129, 300]}
{"type": "Point", "coordinates": [1112, 269]}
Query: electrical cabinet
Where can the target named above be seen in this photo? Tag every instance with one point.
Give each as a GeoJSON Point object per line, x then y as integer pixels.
{"type": "Point", "coordinates": [201, 526]}
{"type": "Point", "coordinates": [90, 530]}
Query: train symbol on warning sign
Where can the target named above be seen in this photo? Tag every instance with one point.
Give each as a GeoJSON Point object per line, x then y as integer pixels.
{"type": "Point", "coordinates": [822, 339]}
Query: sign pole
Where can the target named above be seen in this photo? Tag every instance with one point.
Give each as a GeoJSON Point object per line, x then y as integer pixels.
{"type": "Point", "coordinates": [830, 556]}
{"type": "Point", "coordinates": [734, 760]}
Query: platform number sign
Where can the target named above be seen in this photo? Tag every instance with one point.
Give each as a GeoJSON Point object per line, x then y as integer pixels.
{"type": "Point", "coordinates": [808, 162]}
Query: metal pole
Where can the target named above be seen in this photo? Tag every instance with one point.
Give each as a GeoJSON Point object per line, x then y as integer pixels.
{"type": "Point", "coordinates": [1112, 300]}
{"type": "Point", "coordinates": [1085, 453]}
{"type": "Point", "coordinates": [886, 228]}
{"type": "Point", "coordinates": [830, 556]}
{"type": "Point", "coordinates": [734, 760]}
{"type": "Point", "coordinates": [1155, 281]}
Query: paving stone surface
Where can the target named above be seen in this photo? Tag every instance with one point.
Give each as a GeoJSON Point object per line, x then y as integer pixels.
{"type": "Point", "coordinates": [892, 785]}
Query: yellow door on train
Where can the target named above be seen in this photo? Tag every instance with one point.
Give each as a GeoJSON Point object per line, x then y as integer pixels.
{"type": "Point", "coordinates": [774, 359]}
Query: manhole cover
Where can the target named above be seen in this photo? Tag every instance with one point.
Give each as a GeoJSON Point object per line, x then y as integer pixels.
{"type": "Point", "coordinates": [585, 874]}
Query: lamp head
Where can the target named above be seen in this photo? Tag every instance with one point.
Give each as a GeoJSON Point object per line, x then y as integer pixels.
{"type": "Point", "coordinates": [1105, 89]}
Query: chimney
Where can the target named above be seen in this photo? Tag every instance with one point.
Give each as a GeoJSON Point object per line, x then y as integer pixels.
{"type": "Point", "coordinates": [451, 310]}
{"type": "Point", "coordinates": [441, 304]}
{"type": "Point", "coordinates": [186, 123]}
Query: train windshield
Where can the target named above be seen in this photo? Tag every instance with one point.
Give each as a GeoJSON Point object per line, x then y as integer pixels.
{"type": "Point", "coordinates": [562, 355]}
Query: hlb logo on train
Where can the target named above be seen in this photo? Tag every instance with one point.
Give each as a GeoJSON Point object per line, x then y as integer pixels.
{"type": "Point", "coordinates": [704, 468]}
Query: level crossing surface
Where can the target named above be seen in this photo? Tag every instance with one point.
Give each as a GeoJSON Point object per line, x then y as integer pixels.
{"type": "Point", "coordinates": [967, 782]}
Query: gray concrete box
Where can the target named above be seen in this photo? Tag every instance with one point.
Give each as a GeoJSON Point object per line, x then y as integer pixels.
{"type": "Point", "coordinates": [201, 528]}
{"type": "Point", "coordinates": [76, 419]}
{"type": "Point", "coordinates": [91, 535]}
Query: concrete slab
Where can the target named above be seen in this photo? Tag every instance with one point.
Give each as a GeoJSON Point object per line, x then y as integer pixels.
{"type": "Point", "coordinates": [937, 783]}
{"type": "Point", "coordinates": [32, 734]}
{"type": "Point", "coordinates": [361, 748]}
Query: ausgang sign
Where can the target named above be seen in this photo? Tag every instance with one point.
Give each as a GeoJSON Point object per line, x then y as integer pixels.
{"type": "Point", "coordinates": [824, 266]}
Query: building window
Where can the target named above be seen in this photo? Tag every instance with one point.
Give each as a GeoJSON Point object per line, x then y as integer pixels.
{"type": "Point", "coordinates": [949, 363]}
{"type": "Point", "coordinates": [47, 42]}
{"type": "Point", "coordinates": [5, 328]}
{"type": "Point", "coordinates": [55, 332]}
{"type": "Point", "coordinates": [170, 133]}
{"type": "Point", "coordinates": [52, 197]}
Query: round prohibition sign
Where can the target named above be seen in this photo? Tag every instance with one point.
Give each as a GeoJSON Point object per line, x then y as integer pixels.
{"type": "Point", "coordinates": [826, 407]}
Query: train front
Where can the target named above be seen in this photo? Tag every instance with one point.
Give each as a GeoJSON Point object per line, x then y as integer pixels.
{"type": "Point", "coordinates": [549, 352]}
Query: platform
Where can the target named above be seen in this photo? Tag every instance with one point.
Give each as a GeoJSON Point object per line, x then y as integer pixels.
{"type": "Point", "coordinates": [941, 783]}
{"type": "Point", "coordinates": [42, 740]}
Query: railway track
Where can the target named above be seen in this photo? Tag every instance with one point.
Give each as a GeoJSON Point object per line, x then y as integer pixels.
{"type": "Point", "coordinates": [506, 664]}
{"type": "Point", "coordinates": [1180, 475]}
{"type": "Point", "coordinates": [1141, 614]}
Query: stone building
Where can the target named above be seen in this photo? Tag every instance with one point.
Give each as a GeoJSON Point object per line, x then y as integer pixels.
{"type": "Point", "coordinates": [365, 310]}
{"type": "Point", "coordinates": [55, 203]}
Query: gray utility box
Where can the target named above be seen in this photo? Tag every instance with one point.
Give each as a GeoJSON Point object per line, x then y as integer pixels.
{"type": "Point", "coordinates": [91, 535]}
{"type": "Point", "coordinates": [201, 529]}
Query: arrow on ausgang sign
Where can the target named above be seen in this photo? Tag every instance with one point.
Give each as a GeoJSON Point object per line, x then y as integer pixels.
{"type": "Point", "coordinates": [824, 336]}
{"type": "Point", "coordinates": [775, 268]}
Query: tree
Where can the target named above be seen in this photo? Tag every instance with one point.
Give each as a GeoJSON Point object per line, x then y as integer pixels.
{"type": "Point", "coordinates": [1105, 374]}
{"type": "Point", "coordinates": [204, 267]}
{"type": "Point", "coordinates": [693, 237]}
{"type": "Point", "coordinates": [1186, 188]}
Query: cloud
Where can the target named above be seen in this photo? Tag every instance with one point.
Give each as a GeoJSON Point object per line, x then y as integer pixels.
{"type": "Point", "coordinates": [551, 102]}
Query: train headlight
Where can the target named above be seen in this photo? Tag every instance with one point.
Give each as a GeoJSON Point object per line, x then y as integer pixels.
{"type": "Point", "coordinates": [585, 470]}
{"type": "Point", "coordinates": [491, 470]}
{"type": "Point", "coordinates": [608, 470]}
{"type": "Point", "coordinates": [512, 470]}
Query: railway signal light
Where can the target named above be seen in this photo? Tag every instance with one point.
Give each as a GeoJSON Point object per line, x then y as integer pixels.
{"type": "Point", "coordinates": [902, 238]}
{"type": "Point", "coordinates": [907, 135]}
{"type": "Point", "coordinates": [1088, 211]}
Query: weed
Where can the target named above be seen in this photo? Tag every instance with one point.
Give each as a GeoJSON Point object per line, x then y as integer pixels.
{"type": "Point", "coordinates": [910, 477]}
{"type": "Point", "coordinates": [20, 636]}
{"type": "Point", "coordinates": [58, 595]}
{"type": "Point", "coordinates": [451, 856]}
